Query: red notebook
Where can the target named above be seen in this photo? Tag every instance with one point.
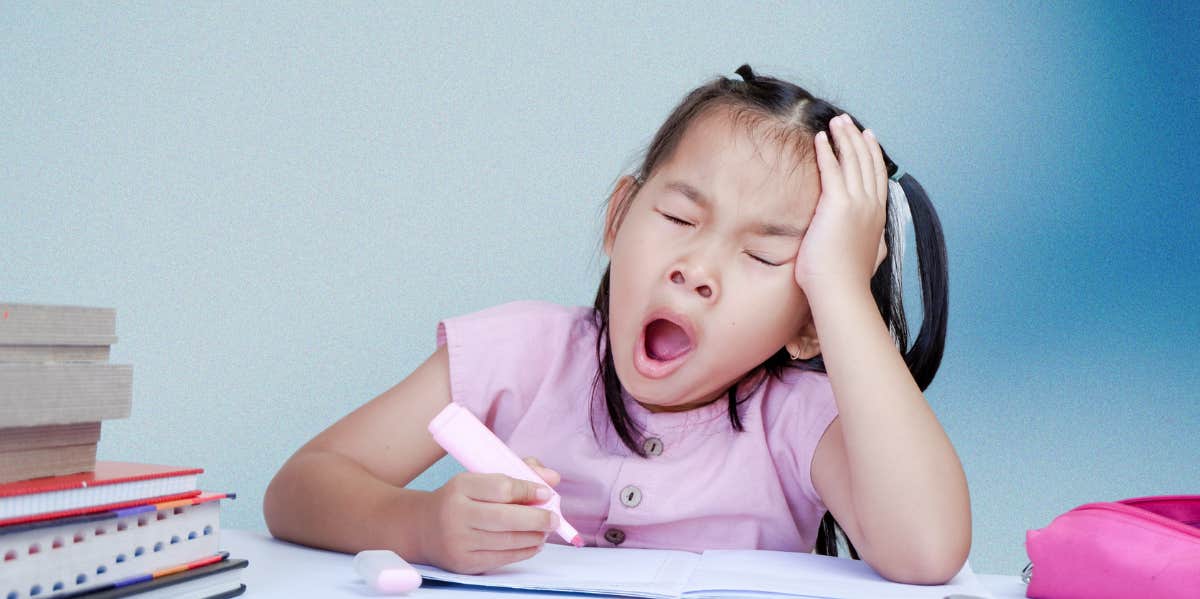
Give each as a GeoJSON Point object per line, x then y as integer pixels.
{"type": "Point", "coordinates": [112, 485]}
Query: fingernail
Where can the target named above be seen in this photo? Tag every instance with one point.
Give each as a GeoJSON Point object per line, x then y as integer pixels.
{"type": "Point", "coordinates": [869, 133]}
{"type": "Point", "coordinates": [542, 493]}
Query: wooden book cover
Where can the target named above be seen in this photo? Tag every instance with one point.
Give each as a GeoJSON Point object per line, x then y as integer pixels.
{"type": "Point", "coordinates": [46, 461]}
{"type": "Point", "coordinates": [54, 353]}
{"type": "Point", "coordinates": [44, 324]}
{"type": "Point", "coordinates": [21, 438]}
{"type": "Point", "coordinates": [36, 394]}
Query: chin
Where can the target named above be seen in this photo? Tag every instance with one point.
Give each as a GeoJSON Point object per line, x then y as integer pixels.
{"type": "Point", "coordinates": [647, 391]}
{"type": "Point", "coordinates": [663, 393]}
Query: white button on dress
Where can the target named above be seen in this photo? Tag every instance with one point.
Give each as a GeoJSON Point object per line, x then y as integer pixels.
{"type": "Point", "coordinates": [653, 446]}
{"type": "Point", "coordinates": [631, 496]}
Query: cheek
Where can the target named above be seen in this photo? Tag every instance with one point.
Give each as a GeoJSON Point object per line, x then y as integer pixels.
{"type": "Point", "coordinates": [631, 261]}
{"type": "Point", "coordinates": [625, 284]}
{"type": "Point", "coordinates": [637, 235]}
{"type": "Point", "coordinates": [774, 310]}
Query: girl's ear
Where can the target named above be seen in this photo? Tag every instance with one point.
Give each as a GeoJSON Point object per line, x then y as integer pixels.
{"type": "Point", "coordinates": [626, 187]}
{"type": "Point", "coordinates": [804, 346]}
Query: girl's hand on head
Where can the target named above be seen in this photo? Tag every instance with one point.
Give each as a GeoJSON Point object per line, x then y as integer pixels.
{"type": "Point", "coordinates": [479, 522]}
{"type": "Point", "coordinates": [844, 243]}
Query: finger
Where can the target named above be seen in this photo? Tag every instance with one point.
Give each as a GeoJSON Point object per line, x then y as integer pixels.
{"type": "Point", "coordinates": [862, 158]}
{"type": "Point", "coordinates": [498, 488]}
{"type": "Point", "coordinates": [878, 165]}
{"type": "Point", "coordinates": [827, 164]}
{"type": "Point", "coordinates": [499, 517]}
{"type": "Point", "coordinates": [552, 477]}
{"type": "Point", "coordinates": [490, 560]}
{"type": "Point", "coordinates": [848, 158]}
{"type": "Point", "coordinates": [866, 163]}
{"type": "Point", "coordinates": [505, 540]}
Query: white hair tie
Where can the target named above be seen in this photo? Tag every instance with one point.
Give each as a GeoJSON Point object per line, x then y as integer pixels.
{"type": "Point", "coordinates": [899, 216]}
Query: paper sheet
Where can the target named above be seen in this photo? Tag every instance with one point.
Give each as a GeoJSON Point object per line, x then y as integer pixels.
{"type": "Point", "coordinates": [783, 574]}
{"type": "Point", "coordinates": [629, 572]}
{"type": "Point", "coordinates": [668, 574]}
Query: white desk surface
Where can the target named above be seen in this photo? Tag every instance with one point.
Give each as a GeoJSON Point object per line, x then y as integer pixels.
{"type": "Point", "coordinates": [280, 569]}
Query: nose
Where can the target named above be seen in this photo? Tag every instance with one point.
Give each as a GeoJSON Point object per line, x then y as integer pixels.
{"type": "Point", "coordinates": [695, 279]}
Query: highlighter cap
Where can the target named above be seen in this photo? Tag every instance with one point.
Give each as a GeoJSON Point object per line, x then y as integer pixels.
{"type": "Point", "coordinates": [444, 418]}
{"type": "Point", "coordinates": [386, 572]}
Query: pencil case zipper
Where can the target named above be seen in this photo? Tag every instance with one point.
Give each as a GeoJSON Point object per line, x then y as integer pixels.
{"type": "Point", "coordinates": [1191, 529]}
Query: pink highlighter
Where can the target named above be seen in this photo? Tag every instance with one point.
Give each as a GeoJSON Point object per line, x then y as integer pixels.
{"type": "Point", "coordinates": [478, 449]}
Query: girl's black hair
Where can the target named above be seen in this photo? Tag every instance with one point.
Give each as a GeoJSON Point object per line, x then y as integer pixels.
{"type": "Point", "coordinates": [794, 114]}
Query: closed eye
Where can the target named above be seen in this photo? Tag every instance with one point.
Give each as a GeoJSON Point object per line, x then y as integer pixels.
{"type": "Point", "coordinates": [684, 223]}
{"type": "Point", "coordinates": [677, 221]}
{"type": "Point", "coordinates": [762, 261]}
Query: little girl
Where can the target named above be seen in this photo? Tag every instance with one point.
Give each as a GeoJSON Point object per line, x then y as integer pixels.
{"type": "Point", "coordinates": [744, 379]}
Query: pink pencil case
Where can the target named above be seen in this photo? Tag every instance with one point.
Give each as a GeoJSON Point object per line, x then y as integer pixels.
{"type": "Point", "coordinates": [1142, 547]}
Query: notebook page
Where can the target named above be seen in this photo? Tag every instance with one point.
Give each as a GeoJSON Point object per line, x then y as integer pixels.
{"type": "Point", "coordinates": [723, 573]}
{"type": "Point", "coordinates": [653, 573]}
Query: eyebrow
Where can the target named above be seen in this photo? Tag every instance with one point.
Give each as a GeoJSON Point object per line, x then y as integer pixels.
{"type": "Point", "coordinates": [764, 229]}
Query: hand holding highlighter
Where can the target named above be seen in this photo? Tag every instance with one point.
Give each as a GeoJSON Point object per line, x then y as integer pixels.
{"type": "Point", "coordinates": [479, 450]}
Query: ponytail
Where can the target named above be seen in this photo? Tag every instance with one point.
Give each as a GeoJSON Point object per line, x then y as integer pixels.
{"type": "Point", "coordinates": [907, 199]}
{"type": "Point", "coordinates": [925, 355]}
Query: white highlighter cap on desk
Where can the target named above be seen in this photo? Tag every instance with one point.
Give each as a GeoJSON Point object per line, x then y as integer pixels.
{"type": "Point", "coordinates": [386, 572]}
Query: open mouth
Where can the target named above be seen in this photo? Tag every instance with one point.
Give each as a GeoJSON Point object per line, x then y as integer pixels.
{"type": "Point", "coordinates": [666, 340]}
{"type": "Point", "coordinates": [663, 346]}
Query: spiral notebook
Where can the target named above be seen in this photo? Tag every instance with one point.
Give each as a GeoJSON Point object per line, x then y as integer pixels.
{"type": "Point", "coordinates": [714, 574]}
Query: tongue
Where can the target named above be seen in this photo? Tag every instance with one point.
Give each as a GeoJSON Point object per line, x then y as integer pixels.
{"type": "Point", "coordinates": [666, 341]}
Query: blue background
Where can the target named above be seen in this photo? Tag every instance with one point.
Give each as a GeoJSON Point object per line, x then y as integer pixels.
{"type": "Point", "coordinates": [282, 200]}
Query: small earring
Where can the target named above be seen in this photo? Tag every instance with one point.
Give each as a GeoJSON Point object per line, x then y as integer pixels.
{"type": "Point", "coordinates": [793, 350]}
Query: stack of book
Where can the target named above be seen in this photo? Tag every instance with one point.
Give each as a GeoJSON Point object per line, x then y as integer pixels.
{"type": "Point", "coordinates": [72, 526]}
{"type": "Point", "coordinates": [56, 386]}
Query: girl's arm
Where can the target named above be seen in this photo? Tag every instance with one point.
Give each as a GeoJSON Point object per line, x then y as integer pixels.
{"type": "Point", "coordinates": [343, 490]}
{"type": "Point", "coordinates": [885, 468]}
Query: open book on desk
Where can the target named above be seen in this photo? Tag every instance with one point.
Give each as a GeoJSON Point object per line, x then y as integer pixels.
{"type": "Point", "coordinates": [666, 574]}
